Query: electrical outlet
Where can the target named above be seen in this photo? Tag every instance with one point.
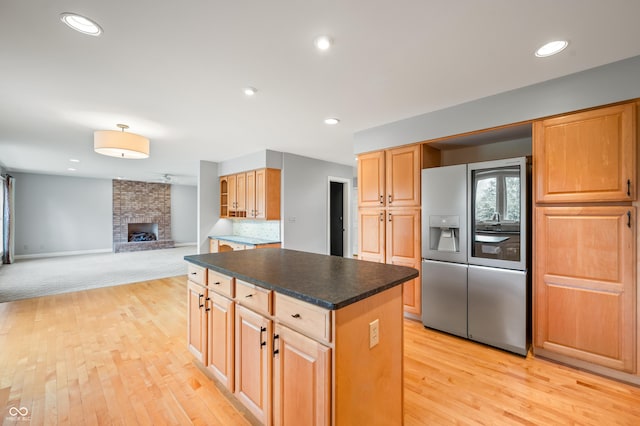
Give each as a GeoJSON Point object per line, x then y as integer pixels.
{"type": "Point", "coordinates": [374, 333]}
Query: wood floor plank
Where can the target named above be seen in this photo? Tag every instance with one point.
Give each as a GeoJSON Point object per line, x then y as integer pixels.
{"type": "Point", "coordinates": [118, 356]}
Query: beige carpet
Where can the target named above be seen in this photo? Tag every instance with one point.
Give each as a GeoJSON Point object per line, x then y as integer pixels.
{"type": "Point", "coordinates": [28, 278]}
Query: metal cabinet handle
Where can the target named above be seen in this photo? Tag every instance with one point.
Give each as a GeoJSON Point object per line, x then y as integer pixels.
{"type": "Point", "coordinates": [262, 342]}
{"type": "Point", "coordinates": [390, 199]}
{"type": "Point", "coordinates": [194, 273]}
{"type": "Point", "coordinates": [629, 218]}
{"type": "Point", "coordinates": [207, 309]}
{"type": "Point", "coordinates": [382, 217]}
{"type": "Point", "coordinates": [629, 187]}
{"type": "Point", "coordinates": [216, 283]}
{"type": "Point", "coordinates": [295, 316]}
{"type": "Point", "coordinates": [381, 199]}
{"type": "Point", "coordinates": [275, 350]}
{"type": "Point", "coordinates": [200, 304]}
{"type": "Point", "coordinates": [389, 216]}
{"type": "Point", "coordinates": [249, 295]}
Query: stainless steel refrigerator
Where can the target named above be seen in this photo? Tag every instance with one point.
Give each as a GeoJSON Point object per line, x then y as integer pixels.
{"type": "Point", "coordinates": [474, 252]}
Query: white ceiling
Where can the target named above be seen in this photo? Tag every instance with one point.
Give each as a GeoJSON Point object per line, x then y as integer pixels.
{"type": "Point", "coordinates": [174, 72]}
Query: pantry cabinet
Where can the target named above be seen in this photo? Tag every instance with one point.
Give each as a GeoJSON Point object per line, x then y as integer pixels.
{"type": "Point", "coordinates": [388, 186]}
{"type": "Point", "coordinates": [393, 236]}
{"type": "Point", "coordinates": [585, 284]}
{"type": "Point", "coordinates": [389, 178]}
{"type": "Point", "coordinates": [587, 156]}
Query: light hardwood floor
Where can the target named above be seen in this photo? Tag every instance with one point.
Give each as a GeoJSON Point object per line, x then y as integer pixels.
{"type": "Point", "coordinates": [118, 355]}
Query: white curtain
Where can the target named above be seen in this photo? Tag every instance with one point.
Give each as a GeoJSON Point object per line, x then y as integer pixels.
{"type": "Point", "coordinates": [8, 220]}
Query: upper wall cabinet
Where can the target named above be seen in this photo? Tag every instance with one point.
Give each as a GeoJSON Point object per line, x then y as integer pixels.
{"type": "Point", "coordinates": [586, 157]}
{"type": "Point", "coordinates": [390, 178]}
{"type": "Point", "coordinates": [252, 195]}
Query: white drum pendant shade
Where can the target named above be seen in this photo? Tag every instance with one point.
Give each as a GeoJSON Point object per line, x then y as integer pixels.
{"type": "Point", "coordinates": [120, 144]}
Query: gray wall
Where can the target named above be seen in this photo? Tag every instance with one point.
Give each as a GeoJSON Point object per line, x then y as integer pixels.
{"type": "Point", "coordinates": [208, 203]}
{"type": "Point", "coordinates": [256, 160]}
{"type": "Point", "coordinates": [57, 214]}
{"type": "Point", "coordinates": [304, 201]}
{"type": "Point", "coordinates": [609, 83]}
{"type": "Point", "coordinates": [184, 214]}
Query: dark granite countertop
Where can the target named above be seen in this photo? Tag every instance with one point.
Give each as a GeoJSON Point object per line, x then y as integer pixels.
{"type": "Point", "coordinates": [251, 241]}
{"type": "Point", "coordinates": [328, 281]}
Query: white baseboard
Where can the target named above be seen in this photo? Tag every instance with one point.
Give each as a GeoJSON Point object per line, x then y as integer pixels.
{"type": "Point", "coordinates": [78, 252]}
{"type": "Point", "coordinates": [61, 253]}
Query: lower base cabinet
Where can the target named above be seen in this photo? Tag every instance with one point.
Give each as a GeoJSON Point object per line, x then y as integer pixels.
{"type": "Point", "coordinates": [301, 380]}
{"type": "Point", "coordinates": [293, 363]}
{"type": "Point", "coordinates": [253, 362]}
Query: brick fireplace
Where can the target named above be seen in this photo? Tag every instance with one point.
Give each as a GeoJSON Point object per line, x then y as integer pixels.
{"type": "Point", "coordinates": [141, 207]}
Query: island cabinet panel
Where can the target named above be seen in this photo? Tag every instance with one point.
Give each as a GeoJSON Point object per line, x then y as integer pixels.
{"type": "Point", "coordinates": [584, 297]}
{"type": "Point", "coordinates": [301, 380]}
{"type": "Point", "coordinates": [367, 387]}
{"type": "Point", "coordinates": [587, 156]}
{"type": "Point", "coordinates": [253, 346]}
{"type": "Point", "coordinates": [220, 349]}
{"type": "Point", "coordinates": [197, 320]}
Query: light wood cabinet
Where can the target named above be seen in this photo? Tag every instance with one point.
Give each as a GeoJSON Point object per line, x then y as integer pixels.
{"type": "Point", "coordinates": [371, 225]}
{"type": "Point", "coordinates": [585, 289]}
{"type": "Point", "coordinates": [301, 380]}
{"type": "Point", "coordinates": [253, 345]}
{"type": "Point", "coordinates": [587, 156]}
{"type": "Point", "coordinates": [393, 236]}
{"type": "Point", "coordinates": [254, 194]}
{"type": "Point", "coordinates": [197, 320]}
{"type": "Point", "coordinates": [220, 338]}
{"type": "Point", "coordinates": [389, 178]}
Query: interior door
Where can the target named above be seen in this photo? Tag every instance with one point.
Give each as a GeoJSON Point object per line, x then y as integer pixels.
{"type": "Point", "coordinates": [336, 218]}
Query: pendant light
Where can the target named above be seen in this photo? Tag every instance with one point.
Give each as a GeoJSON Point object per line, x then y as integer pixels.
{"type": "Point", "coordinates": [120, 144]}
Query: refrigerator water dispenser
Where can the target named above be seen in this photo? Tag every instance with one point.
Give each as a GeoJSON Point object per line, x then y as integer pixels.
{"type": "Point", "coordinates": [445, 233]}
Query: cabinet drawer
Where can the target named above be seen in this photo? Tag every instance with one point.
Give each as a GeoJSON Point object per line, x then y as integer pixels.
{"type": "Point", "coordinates": [221, 283]}
{"type": "Point", "coordinates": [309, 319]}
{"type": "Point", "coordinates": [197, 274]}
{"type": "Point", "coordinates": [254, 297]}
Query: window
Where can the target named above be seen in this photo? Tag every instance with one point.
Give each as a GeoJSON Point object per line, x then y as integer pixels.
{"type": "Point", "coordinates": [497, 195]}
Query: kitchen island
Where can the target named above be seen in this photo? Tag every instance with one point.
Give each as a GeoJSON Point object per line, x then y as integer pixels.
{"type": "Point", "coordinates": [301, 338]}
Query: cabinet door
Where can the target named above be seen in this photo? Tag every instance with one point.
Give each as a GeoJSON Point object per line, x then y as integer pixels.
{"type": "Point", "coordinates": [251, 193]}
{"type": "Point", "coordinates": [241, 194]}
{"type": "Point", "coordinates": [371, 226]}
{"type": "Point", "coordinates": [588, 156]}
{"type": "Point", "coordinates": [232, 188]}
{"type": "Point", "coordinates": [220, 339]}
{"type": "Point", "coordinates": [301, 381]}
{"type": "Point", "coordinates": [268, 194]}
{"type": "Point", "coordinates": [224, 197]}
{"type": "Point", "coordinates": [584, 283]}
{"type": "Point", "coordinates": [371, 192]}
{"type": "Point", "coordinates": [253, 362]}
{"type": "Point", "coordinates": [403, 177]}
{"type": "Point", "coordinates": [197, 320]}
{"type": "Point", "coordinates": [403, 248]}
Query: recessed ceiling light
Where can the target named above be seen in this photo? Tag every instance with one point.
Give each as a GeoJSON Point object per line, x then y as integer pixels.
{"type": "Point", "coordinates": [552, 48]}
{"type": "Point", "coordinates": [323, 42]}
{"type": "Point", "coordinates": [71, 169]}
{"type": "Point", "coordinates": [74, 160]}
{"type": "Point", "coordinates": [81, 24]}
{"type": "Point", "coordinates": [331, 121]}
{"type": "Point", "coordinates": [250, 91]}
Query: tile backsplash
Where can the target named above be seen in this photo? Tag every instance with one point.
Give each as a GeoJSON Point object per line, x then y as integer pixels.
{"type": "Point", "coordinates": [265, 229]}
